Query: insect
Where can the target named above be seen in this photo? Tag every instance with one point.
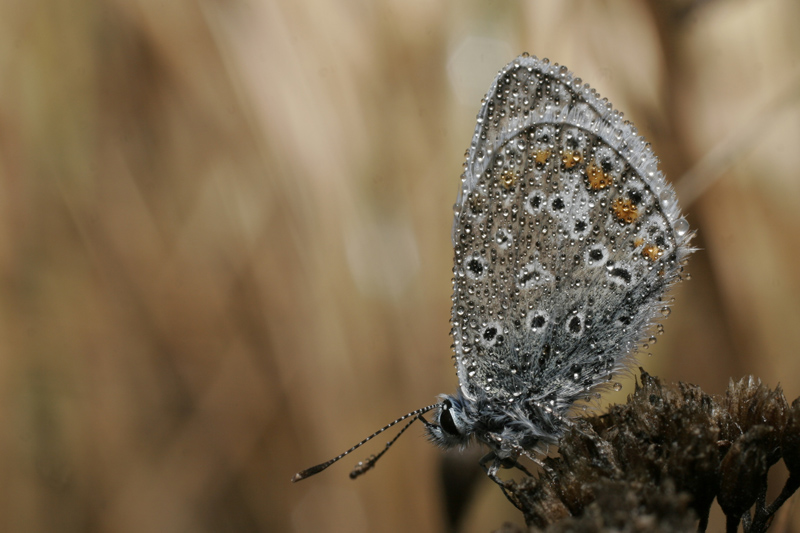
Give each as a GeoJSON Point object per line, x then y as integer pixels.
{"type": "Point", "coordinates": [566, 238]}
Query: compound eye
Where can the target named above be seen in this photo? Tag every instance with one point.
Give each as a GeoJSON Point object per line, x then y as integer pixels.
{"type": "Point", "coordinates": [446, 420]}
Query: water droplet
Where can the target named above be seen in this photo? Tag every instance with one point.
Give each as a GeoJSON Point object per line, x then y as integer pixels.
{"type": "Point", "coordinates": [681, 227]}
{"type": "Point", "coordinates": [617, 386]}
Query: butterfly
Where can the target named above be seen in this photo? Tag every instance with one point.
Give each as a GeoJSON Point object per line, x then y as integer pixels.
{"type": "Point", "coordinates": [566, 239]}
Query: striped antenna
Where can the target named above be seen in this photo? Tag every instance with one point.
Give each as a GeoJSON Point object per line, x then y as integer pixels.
{"type": "Point", "coordinates": [364, 466]}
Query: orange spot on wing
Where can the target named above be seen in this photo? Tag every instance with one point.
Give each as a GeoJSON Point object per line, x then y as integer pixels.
{"type": "Point", "coordinates": [596, 178]}
{"type": "Point", "coordinates": [541, 156]}
{"type": "Point", "coordinates": [625, 210]}
{"type": "Point", "coordinates": [651, 252]}
{"type": "Point", "coordinates": [570, 159]}
{"type": "Point", "coordinates": [508, 178]}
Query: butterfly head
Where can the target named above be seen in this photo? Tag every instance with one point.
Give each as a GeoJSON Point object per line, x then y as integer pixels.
{"type": "Point", "coordinates": [452, 425]}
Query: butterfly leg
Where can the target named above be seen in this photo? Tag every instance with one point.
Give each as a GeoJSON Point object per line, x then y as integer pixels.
{"type": "Point", "coordinates": [491, 471]}
{"type": "Point", "coordinates": [541, 464]}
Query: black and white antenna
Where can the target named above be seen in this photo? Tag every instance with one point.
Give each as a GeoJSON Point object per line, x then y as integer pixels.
{"type": "Point", "coordinates": [365, 466]}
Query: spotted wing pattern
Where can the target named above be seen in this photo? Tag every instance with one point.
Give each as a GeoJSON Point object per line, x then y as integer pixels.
{"type": "Point", "coordinates": [566, 237]}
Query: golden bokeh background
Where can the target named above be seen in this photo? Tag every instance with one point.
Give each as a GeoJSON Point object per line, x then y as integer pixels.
{"type": "Point", "coordinates": [225, 249]}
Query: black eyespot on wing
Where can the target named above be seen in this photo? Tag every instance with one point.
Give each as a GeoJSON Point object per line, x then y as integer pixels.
{"type": "Point", "coordinates": [489, 333]}
{"type": "Point", "coordinates": [621, 273]}
{"type": "Point", "coordinates": [475, 266]}
{"type": "Point", "coordinates": [526, 277]}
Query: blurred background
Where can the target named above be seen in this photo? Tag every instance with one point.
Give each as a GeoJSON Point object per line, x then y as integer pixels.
{"type": "Point", "coordinates": [225, 240]}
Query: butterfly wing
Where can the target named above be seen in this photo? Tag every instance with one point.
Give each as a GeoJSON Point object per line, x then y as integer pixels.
{"type": "Point", "coordinates": [566, 236]}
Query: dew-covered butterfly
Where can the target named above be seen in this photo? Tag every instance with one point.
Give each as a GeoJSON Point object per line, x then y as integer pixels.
{"type": "Point", "coordinates": [566, 238]}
